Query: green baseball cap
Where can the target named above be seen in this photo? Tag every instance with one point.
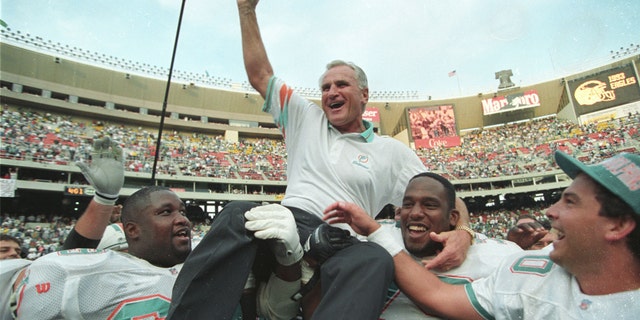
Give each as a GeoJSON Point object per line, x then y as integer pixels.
{"type": "Point", "coordinates": [619, 174]}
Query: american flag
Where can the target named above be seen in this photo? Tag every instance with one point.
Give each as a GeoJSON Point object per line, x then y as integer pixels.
{"type": "Point", "coordinates": [452, 73]}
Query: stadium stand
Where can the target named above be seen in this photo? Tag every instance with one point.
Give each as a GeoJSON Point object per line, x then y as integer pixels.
{"type": "Point", "coordinates": [217, 146]}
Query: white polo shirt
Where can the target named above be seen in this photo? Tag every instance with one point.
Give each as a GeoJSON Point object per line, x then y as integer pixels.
{"type": "Point", "coordinates": [325, 166]}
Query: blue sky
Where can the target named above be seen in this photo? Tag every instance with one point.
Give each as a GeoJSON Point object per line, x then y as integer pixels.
{"type": "Point", "coordinates": [402, 45]}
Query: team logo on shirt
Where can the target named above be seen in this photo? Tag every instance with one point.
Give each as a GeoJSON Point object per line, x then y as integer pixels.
{"type": "Point", "coordinates": [362, 161]}
{"type": "Point", "coordinates": [584, 305]}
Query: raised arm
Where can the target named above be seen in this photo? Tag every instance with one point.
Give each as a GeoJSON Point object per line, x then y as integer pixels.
{"type": "Point", "coordinates": [256, 61]}
{"type": "Point", "coordinates": [106, 176]}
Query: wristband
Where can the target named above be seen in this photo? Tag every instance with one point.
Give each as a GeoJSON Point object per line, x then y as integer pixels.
{"type": "Point", "coordinates": [106, 200]}
{"type": "Point", "coordinates": [385, 239]}
{"type": "Point", "coordinates": [467, 230]}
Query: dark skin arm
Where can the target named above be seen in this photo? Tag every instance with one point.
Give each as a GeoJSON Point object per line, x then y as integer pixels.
{"type": "Point", "coordinates": [419, 284]}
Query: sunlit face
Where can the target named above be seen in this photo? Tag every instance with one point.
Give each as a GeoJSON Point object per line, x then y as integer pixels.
{"type": "Point", "coordinates": [424, 210]}
{"type": "Point", "coordinates": [162, 234]}
{"type": "Point", "coordinates": [580, 227]}
{"type": "Point", "coordinates": [9, 250]}
{"type": "Point", "coordinates": [343, 100]}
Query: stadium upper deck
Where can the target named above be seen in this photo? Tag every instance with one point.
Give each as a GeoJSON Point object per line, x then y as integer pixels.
{"type": "Point", "coordinates": [88, 87]}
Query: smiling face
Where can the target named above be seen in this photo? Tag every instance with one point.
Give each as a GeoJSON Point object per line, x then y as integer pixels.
{"type": "Point", "coordinates": [9, 249]}
{"type": "Point", "coordinates": [425, 209]}
{"type": "Point", "coordinates": [343, 100]}
{"type": "Point", "coordinates": [580, 227]}
{"type": "Point", "coordinates": [160, 231]}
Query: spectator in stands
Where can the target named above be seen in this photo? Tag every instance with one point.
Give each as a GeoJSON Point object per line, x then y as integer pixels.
{"type": "Point", "coordinates": [10, 247]}
{"type": "Point", "coordinates": [528, 232]}
{"type": "Point", "coordinates": [592, 272]}
{"type": "Point", "coordinates": [333, 155]}
{"type": "Point", "coordinates": [428, 207]}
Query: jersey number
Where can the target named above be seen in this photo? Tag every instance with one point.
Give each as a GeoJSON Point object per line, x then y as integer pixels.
{"type": "Point", "coordinates": [149, 307]}
{"type": "Point", "coordinates": [536, 265]}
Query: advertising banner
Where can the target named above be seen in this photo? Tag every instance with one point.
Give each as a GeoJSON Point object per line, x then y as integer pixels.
{"type": "Point", "coordinates": [371, 114]}
{"type": "Point", "coordinates": [432, 127]}
{"type": "Point", "coordinates": [527, 99]}
{"type": "Point", "coordinates": [605, 89]}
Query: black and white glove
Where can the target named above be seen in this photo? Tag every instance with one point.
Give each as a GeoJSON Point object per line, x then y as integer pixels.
{"type": "Point", "coordinates": [106, 172]}
{"type": "Point", "coordinates": [325, 241]}
{"type": "Point", "coordinates": [276, 222]}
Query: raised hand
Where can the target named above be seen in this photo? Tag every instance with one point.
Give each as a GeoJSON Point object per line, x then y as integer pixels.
{"type": "Point", "coordinates": [106, 172]}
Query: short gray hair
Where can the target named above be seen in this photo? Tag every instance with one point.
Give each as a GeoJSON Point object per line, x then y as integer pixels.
{"type": "Point", "coordinates": [361, 77]}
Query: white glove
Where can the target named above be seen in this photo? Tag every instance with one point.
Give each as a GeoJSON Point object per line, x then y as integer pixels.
{"type": "Point", "coordinates": [106, 173]}
{"type": "Point", "coordinates": [276, 222]}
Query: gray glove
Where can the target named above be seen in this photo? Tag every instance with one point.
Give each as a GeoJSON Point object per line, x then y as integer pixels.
{"type": "Point", "coordinates": [106, 173]}
{"type": "Point", "coordinates": [276, 223]}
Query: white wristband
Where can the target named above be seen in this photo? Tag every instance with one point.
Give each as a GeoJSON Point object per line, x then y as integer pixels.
{"type": "Point", "coordinates": [385, 239]}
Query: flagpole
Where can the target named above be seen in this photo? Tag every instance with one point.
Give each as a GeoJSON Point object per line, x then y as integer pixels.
{"type": "Point", "coordinates": [454, 73]}
{"type": "Point", "coordinates": [166, 98]}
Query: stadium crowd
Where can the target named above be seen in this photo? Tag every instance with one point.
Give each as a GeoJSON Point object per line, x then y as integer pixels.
{"type": "Point", "coordinates": [512, 149]}
{"type": "Point", "coordinates": [41, 234]}
{"type": "Point", "coordinates": [506, 150]}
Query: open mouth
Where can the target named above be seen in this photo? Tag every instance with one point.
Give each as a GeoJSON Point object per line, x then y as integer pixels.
{"type": "Point", "coordinates": [415, 229]}
{"type": "Point", "coordinates": [184, 233]}
{"type": "Point", "coordinates": [336, 105]}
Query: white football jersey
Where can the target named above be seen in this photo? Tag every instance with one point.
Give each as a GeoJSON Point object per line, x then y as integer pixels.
{"type": "Point", "coordinates": [482, 258]}
{"type": "Point", "coordinates": [9, 270]}
{"type": "Point", "coordinates": [531, 286]}
{"type": "Point", "coordinates": [90, 284]}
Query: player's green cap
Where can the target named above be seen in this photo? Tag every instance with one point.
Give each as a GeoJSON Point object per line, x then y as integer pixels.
{"type": "Point", "coordinates": [619, 174]}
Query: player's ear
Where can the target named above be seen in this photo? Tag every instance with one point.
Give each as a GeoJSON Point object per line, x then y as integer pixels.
{"type": "Point", "coordinates": [619, 228]}
{"type": "Point", "coordinates": [131, 230]}
{"type": "Point", "coordinates": [454, 217]}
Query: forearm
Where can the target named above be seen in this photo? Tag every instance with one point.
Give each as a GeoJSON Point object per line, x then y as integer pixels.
{"type": "Point", "coordinates": [94, 220]}
{"type": "Point", "coordinates": [289, 273]}
{"type": "Point", "coordinates": [256, 62]}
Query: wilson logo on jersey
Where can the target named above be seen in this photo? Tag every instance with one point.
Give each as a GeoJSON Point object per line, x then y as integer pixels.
{"type": "Point", "coordinates": [43, 287]}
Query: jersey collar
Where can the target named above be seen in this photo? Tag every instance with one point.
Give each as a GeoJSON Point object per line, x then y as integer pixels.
{"type": "Point", "coordinates": [367, 134]}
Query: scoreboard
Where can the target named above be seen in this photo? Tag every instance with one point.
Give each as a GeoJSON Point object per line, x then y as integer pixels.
{"type": "Point", "coordinates": [79, 191]}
